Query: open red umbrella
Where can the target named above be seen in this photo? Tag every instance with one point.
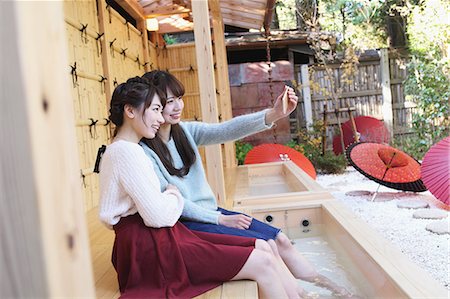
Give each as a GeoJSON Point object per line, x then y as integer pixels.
{"type": "Point", "coordinates": [386, 165]}
{"type": "Point", "coordinates": [436, 170]}
{"type": "Point", "coordinates": [272, 152]}
{"type": "Point", "coordinates": [370, 130]}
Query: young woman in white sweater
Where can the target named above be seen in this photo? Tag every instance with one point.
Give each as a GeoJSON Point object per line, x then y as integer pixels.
{"type": "Point", "coordinates": [156, 256]}
{"type": "Point", "coordinates": [178, 162]}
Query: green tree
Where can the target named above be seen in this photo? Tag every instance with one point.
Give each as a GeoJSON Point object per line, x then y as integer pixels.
{"type": "Point", "coordinates": [428, 81]}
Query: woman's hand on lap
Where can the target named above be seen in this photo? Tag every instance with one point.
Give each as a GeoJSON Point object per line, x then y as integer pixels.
{"type": "Point", "coordinates": [236, 221]}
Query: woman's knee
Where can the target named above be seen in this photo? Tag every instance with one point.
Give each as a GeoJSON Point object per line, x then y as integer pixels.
{"type": "Point", "coordinates": [283, 242]}
{"type": "Point", "coordinates": [265, 264]}
{"type": "Point", "coordinates": [263, 245]}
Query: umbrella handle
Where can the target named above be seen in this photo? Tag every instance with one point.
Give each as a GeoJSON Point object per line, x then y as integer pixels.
{"type": "Point", "coordinates": [376, 193]}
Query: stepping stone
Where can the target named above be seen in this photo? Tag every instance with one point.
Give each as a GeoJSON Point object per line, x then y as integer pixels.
{"type": "Point", "coordinates": [358, 193]}
{"type": "Point", "coordinates": [430, 214]}
{"type": "Point", "coordinates": [440, 227]}
{"type": "Point", "coordinates": [412, 204]}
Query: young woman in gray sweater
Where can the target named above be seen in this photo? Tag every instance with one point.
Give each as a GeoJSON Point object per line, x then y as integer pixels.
{"type": "Point", "coordinates": [178, 162]}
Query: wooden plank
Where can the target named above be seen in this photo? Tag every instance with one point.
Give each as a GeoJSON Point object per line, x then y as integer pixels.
{"type": "Point", "coordinates": [44, 238]}
{"type": "Point", "coordinates": [351, 94]}
{"type": "Point", "coordinates": [239, 289]}
{"type": "Point", "coordinates": [412, 280]}
{"type": "Point", "coordinates": [202, 33]}
{"type": "Point", "coordinates": [306, 92]}
{"type": "Point", "coordinates": [106, 59]}
{"type": "Point", "coordinates": [142, 26]}
{"type": "Point", "coordinates": [388, 116]}
{"type": "Point", "coordinates": [222, 78]}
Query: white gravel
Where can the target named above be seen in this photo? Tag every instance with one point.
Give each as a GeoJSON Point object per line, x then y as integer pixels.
{"type": "Point", "coordinates": [428, 250]}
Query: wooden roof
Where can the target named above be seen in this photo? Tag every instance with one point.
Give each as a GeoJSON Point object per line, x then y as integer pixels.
{"type": "Point", "coordinates": [176, 15]}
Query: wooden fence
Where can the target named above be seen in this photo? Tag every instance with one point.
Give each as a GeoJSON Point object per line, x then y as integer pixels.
{"type": "Point", "coordinates": [376, 90]}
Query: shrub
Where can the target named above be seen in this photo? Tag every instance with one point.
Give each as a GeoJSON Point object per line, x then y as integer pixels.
{"type": "Point", "coordinates": [309, 143]}
{"type": "Point", "coordinates": [242, 149]}
{"type": "Point", "coordinates": [330, 163]}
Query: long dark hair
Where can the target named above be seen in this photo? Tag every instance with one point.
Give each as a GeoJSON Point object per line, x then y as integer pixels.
{"type": "Point", "coordinates": [136, 92]}
{"type": "Point", "coordinates": [166, 81]}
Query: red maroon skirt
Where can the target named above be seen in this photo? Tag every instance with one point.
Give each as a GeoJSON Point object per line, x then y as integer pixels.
{"type": "Point", "coordinates": [174, 262]}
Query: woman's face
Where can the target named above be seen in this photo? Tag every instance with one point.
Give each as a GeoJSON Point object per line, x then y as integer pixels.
{"type": "Point", "coordinates": [151, 120]}
{"type": "Point", "coordinates": [173, 109]}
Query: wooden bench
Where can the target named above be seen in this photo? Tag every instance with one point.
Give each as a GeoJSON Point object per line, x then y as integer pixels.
{"type": "Point", "coordinates": [101, 241]}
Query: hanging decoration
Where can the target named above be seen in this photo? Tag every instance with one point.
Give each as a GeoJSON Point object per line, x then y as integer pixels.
{"type": "Point", "coordinates": [93, 128]}
{"type": "Point", "coordinates": [84, 35]}
{"type": "Point", "coordinates": [97, 43]}
{"type": "Point", "coordinates": [73, 73]}
{"type": "Point", "coordinates": [111, 46]}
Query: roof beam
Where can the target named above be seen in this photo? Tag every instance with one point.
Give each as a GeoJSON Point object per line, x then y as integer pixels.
{"type": "Point", "coordinates": [133, 8]}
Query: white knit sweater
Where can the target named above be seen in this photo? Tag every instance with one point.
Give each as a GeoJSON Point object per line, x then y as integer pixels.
{"type": "Point", "coordinates": [125, 173]}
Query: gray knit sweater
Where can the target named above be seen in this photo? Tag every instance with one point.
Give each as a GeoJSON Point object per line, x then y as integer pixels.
{"type": "Point", "coordinates": [200, 202]}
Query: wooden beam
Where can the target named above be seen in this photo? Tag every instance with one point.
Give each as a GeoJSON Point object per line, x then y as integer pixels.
{"type": "Point", "coordinates": [388, 115]}
{"type": "Point", "coordinates": [133, 8]}
{"type": "Point", "coordinates": [240, 23]}
{"type": "Point", "coordinates": [232, 6]}
{"type": "Point", "coordinates": [45, 250]}
{"type": "Point", "coordinates": [165, 10]}
{"type": "Point", "coordinates": [222, 80]}
{"type": "Point", "coordinates": [203, 49]}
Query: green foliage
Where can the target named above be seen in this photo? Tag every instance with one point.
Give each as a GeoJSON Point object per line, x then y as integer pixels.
{"type": "Point", "coordinates": [413, 145]}
{"type": "Point", "coordinates": [309, 144]}
{"type": "Point", "coordinates": [428, 85]}
{"type": "Point", "coordinates": [286, 14]}
{"type": "Point", "coordinates": [242, 149]}
{"type": "Point", "coordinates": [429, 28]}
{"type": "Point", "coordinates": [330, 163]}
{"type": "Point", "coordinates": [359, 22]}
{"type": "Point", "coordinates": [170, 39]}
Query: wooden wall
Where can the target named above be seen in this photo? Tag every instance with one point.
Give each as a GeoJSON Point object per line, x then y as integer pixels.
{"type": "Point", "coordinates": [364, 93]}
{"type": "Point", "coordinates": [180, 61]}
{"type": "Point", "coordinates": [104, 51]}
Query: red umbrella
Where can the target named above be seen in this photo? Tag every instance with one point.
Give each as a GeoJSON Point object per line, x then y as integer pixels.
{"type": "Point", "coordinates": [436, 170]}
{"type": "Point", "coordinates": [386, 165]}
{"type": "Point", "coordinates": [370, 130]}
{"type": "Point", "coordinates": [271, 152]}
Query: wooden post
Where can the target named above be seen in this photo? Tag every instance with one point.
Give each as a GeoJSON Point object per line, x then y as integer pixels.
{"type": "Point", "coordinates": [222, 80]}
{"type": "Point", "coordinates": [203, 49]}
{"type": "Point", "coordinates": [306, 91]}
{"type": "Point", "coordinates": [388, 116]}
{"type": "Point", "coordinates": [337, 111]}
{"type": "Point", "coordinates": [45, 250]}
{"type": "Point", "coordinates": [352, 122]}
{"type": "Point", "coordinates": [324, 132]}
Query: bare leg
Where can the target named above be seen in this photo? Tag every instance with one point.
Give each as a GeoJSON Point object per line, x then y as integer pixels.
{"type": "Point", "coordinates": [261, 267]}
{"type": "Point", "coordinates": [290, 284]}
{"type": "Point", "coordinates": [301, 268]}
